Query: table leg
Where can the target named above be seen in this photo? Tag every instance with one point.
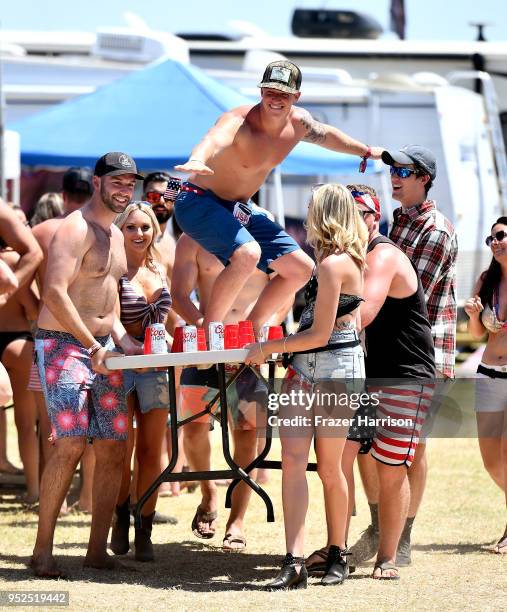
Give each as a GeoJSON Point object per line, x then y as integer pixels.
{"type": "Point", "coordinates": [173, 411]}
{"type": "Point", "coordinates": [225, 445]}
{"type": "Point", "coordinates": [259, 461]}
{"type": "Point", "coordinates": [267, 445]}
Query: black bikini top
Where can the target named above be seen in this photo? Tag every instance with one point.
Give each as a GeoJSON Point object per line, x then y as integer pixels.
{"type": "Point", "coordinates": [346, 304]}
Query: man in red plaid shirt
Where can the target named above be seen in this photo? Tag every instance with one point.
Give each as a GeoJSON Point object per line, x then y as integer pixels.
{"type": "Point", "coordinates": [429, 240]}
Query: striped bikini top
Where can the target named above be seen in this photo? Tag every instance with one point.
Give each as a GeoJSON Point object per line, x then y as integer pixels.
{"type": "Point", "coordinates": [135, 307]}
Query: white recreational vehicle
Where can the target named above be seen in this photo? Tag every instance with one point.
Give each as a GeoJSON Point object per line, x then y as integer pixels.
{"type": "Point", "coordinates": [382, 104]}
{"type": "Point", "coordinates": [460, 126]}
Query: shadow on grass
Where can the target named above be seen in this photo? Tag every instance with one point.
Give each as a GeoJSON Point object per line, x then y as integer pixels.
{"type": "Point", "coordinates": [189, 566]}
{"type": "Point", "coordinates": [457, 549]}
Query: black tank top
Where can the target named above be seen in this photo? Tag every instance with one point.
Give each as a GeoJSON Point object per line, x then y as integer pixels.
{"type": "Point", "coordinates": [399, 341]}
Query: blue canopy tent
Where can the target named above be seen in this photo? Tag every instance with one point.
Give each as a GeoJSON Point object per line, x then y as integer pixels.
{"type": "Point", "coordinates": [157, 115]}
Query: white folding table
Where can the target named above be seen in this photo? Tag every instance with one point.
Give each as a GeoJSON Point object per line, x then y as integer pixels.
{"type": "Point", "coordinates": [219, 359]}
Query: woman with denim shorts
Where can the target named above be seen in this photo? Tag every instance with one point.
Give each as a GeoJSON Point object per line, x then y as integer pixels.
{"type": "Point", "coordinates": [327, 361]}
{"type": "Point", "coordinates": [144, 300]}
{"type": "Point", "coordinates": [487, 310]}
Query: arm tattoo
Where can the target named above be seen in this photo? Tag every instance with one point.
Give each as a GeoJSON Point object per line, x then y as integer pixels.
{"type": "Point", "coordinates": [315, 131]}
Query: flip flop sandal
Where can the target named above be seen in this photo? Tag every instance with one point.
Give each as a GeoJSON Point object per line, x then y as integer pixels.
{"type": "Point", "coordinates": [203, 517]}
{"type": "Point", "coordinates": [229, 538]}
{"type": "Point", "coordinates": [167, 493]}
{"type": "Point", "coordinates": [385, 567]}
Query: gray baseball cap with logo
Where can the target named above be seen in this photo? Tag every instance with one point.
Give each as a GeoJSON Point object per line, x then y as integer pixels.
{"type": "Point", "coordinates": [413, 154]}
{"type": "Point", "coordinates": [115, 163]}
{"type": "Point", "coordinates": [282, 75]}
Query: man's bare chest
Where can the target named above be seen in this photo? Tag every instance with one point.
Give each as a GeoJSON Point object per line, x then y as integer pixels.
{"type": "Point", "coordinates": [106, 257]}
{"type": "Point", "coordinates": [256, 150]}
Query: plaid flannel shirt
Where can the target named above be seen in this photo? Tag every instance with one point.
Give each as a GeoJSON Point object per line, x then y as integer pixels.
{"type": "Point", "coordinates": [429, 240]}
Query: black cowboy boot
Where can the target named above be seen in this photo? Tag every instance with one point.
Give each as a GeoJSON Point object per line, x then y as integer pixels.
{"type": "Point", "coordinates": [120, 532]}
{"type": "Point", "coordinates": [143, 545]}
{"type": "Point", "coordinates": [289, 578]}
{"type": "Point", "coordinates": [337, 568]}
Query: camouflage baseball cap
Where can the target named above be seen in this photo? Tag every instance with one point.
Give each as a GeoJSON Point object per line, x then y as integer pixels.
{"type": "Point", "coordinates": [282, 75]}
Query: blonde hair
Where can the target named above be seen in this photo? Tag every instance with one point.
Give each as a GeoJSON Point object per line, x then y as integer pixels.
{"type": "Point", "coordinates": [334, 224]}
{"type": "Point", "coordinates": [152, 253]}
{"type": "Point", "coordinates": [49, 206]}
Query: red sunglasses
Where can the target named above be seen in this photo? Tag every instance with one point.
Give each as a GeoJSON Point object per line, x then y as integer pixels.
{"type": "Point", "coordinates": [153, 197]}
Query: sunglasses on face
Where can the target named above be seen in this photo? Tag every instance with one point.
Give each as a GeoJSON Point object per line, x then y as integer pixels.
{"type": "Point", "coordinates": [498, 236]}
{"type": "Point", "coordinates": [153, 197]}
{"type": "Point", "coordinates": [403, 173]}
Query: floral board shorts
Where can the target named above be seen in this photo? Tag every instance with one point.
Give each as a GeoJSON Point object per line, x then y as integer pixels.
{"type": "Point", "coordinates": [80, 402]}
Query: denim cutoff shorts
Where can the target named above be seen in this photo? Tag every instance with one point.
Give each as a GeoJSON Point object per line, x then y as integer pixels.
{"type": "Point", "coordinates": [343, 364]}
{"type": "Point", "coordinates": [151, 388]}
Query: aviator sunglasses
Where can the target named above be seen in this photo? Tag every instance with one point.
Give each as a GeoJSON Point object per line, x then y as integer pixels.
{"type": "Point", "coordinates": [498, 236]}
{"type": "Point", "coordinates": [403, 173]}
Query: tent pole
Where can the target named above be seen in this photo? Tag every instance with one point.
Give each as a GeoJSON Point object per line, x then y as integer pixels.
{"type": "Point", "coordinates": [277, 181]}
{"type": "Point", "coordinates": [280, 217]}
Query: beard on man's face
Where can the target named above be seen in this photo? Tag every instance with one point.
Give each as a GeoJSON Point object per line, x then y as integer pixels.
{"type": "Point", "coordinates": [107, 198]}
{"type": "Point", "coordinates": [163, 215]}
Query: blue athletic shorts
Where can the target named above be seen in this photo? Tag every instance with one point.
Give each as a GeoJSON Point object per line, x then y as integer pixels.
{"type": "Point", "coordinates": [210, 222]}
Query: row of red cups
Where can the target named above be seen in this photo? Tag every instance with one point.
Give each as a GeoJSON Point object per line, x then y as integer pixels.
{"type": "Point", "coordinates": [236, 335]}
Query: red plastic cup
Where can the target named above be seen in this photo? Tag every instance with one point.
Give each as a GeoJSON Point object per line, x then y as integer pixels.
{"type": "Point", "coordinates": [275, 332]}
{"type": "Point", "coordinates": [231, 336]}
{"type": "Point", "coordinates": [201, 339]}
{"type": "Point", "coordinates": [146, 343]}
{"type": "Point", "coordinates": [177, 346]}
{"type": "Point", "coordinates": [246, 338]}
{"type": "Point", "coordinates": [245, 326]}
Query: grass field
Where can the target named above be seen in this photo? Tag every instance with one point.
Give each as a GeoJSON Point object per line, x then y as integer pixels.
{"type": "Point", "coordinates": [462, 513]}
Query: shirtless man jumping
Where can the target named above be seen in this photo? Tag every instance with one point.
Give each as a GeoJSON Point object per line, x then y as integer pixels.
{"type": "Point", "coordinates": [84, 399]}
{"type": "Point", "coordinates": [227, 167]}
{"type": "Point", "coordinates": [196, 268]}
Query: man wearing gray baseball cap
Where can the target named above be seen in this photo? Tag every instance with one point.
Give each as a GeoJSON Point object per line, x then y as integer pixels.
{"type": "Point", "coordinates": [429, 240]}
{"type": "Point", "coordinates": [415, 155]}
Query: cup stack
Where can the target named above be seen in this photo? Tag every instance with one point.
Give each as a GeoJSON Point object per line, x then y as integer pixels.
{"type": "Point", "coordinates": [246, 333]}
{"type": "Point", "coordinates": [231, 336]}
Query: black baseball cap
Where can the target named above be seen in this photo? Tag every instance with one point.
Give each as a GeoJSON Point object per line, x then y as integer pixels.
{"type": "Point", "coordinates": [413, 154]}
{"type": "Point", "coordinates": [282, 75]}
{"type": "Point", "coordinates": [115, 163]}
{"type": "Point", "coordinates": [78, 180]}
